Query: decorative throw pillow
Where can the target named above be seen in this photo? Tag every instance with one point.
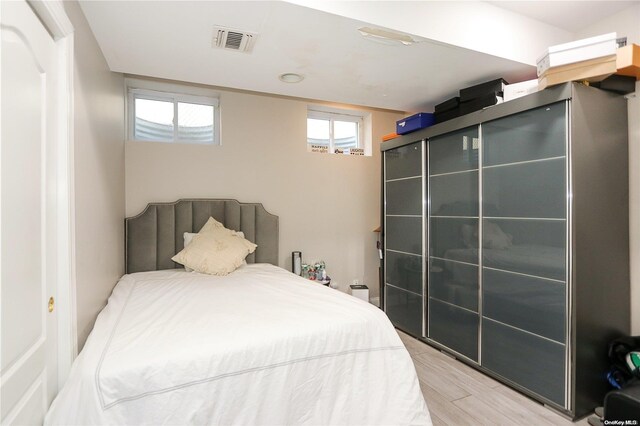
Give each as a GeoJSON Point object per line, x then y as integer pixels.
{"type": "Point", "coordinates": [215, 250]}
{"type": "Point", "coordinates": [188, 236]}
{"type": "Point", "coordinates": [210, 225]}
{"type": "Point", "coordinates": [213, 225]}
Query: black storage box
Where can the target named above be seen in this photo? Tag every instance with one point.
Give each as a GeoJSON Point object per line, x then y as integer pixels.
{"type": "Point", "coordinates": [483, 89]}
{"type": "Point", "coordinates": [623, 405]}
{"type": "Point", "coordinates": [447, 105]}
{"type": "Point", "coordinates": [622, 84]}
{"type": "Point", "coordinates": [447, 115]}
{"type": "Point", "coordinates": [479, 103]}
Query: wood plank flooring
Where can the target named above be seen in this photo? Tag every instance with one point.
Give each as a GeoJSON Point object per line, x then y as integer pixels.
{"type": "Point", "coordinates": [459, 395]}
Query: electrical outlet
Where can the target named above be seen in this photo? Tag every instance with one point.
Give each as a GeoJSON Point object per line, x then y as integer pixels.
{"type": "Point", "coordinates": [356, 282]}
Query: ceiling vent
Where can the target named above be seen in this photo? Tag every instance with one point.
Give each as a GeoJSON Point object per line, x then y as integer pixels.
{"type": "Point", "coordinates": [230, 39]}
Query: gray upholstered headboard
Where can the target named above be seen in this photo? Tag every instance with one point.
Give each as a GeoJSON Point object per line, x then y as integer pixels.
{"type": "Point", "coordinates": [154, 236]}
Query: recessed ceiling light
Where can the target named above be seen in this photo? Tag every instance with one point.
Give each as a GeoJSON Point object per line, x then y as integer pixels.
{"type": "Point", "coordinates": [291, 77]}
{"type": "Point", "coordinates": [380, 34]}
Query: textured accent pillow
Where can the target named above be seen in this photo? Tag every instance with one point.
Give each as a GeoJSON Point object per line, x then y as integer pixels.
{"type": "Point", "coordinates": [213, 225]}
{"type": "Point", "coordinates": [215, 250]}
{"type": "Point", "coordinates": [188, 236]}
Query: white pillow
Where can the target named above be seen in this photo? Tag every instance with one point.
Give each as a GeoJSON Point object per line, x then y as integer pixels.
{"type": "Point", "coordinates": [188, 236]}
{"type": "Point", "coordinates": [214, 250]}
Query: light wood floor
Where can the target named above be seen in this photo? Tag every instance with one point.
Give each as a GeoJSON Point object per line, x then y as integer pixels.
{"type": "Point", "coordinates": [459, 395]}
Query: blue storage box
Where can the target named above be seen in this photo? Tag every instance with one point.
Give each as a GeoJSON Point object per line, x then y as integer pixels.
{"type": "Point", "coordinates": [415, 122]}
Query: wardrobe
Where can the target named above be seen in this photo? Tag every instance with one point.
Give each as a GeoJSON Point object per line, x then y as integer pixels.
{"type": "Point", "coordinates": [506, 240]}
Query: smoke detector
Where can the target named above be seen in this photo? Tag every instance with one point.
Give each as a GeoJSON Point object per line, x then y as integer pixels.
{"type": "Point", "coordinates": [230, 39]}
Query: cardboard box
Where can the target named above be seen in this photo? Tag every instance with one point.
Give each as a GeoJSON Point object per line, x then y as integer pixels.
{"type": "Point", "coordinates": [518, 90]}
{"type": "Point", "coordinates": [628, 61]}
{"type": "Point", "coordinates": [593, 70]}
{"type": "Point", "coordinates": [577, 51]}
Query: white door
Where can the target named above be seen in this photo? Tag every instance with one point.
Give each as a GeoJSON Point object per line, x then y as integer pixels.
{"type": "Point", "coordinates": [28, 352]}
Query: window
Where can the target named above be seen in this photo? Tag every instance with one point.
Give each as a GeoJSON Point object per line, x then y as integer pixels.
{"type": "Point", "coordinates": [334, 131]}
{"type": "Point", "coordinates": [172, 117]}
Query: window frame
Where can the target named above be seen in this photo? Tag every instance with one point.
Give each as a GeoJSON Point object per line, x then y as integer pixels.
{"type": "Point", "coordinates": [337, 115]}
{"type": "Point", "coordinates": [134, 93]}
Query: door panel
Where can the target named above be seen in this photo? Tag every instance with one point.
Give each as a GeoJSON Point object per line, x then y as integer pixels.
{"type": "Point", "coordinates": [404, 309]}
{"type": "Point", "coordinates": [528, 136]}
{"type": "Point", "coordinates": [454, 327]}
{"type": "Point", "coordinates": [453, 319]}
{"type": "Point", "coordinates": [403, 237]}
{"type": "Point", "coordinates": [27, 231]}
{"type": "Point", "coordinates": [524, 249]}
{"type": "Point", "coordinates": [454, 152]}
{"type": "Point", "coordinates": [455, 194]}
{"type": "Point", "coordinates": [532, 304]}
{"type": "Point", "coordinates": [537, 364]}
{"type": "Point", "coordinates": [404, 197]}
{"type": "Point", "coordinates": [403, 162]}
{"type": "Point", "coordinates": [455, 283]}
{"type": "Point", "coordinates": [530, 190]}
{"type": "Point", "coordinates": [404, 271]}
{"type": "Point", "coordinates": [404, 234]}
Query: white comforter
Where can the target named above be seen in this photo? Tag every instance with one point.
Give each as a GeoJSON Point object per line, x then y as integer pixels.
{"type": "Point", "coordinates": [259, 346]}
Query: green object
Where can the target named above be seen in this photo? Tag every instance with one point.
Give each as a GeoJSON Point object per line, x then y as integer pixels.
{"type": "Point", "coordinates": [633, 361]}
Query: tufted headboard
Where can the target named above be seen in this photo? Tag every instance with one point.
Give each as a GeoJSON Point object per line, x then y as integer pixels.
{"type": "Point", "coordinates": [154, 236]}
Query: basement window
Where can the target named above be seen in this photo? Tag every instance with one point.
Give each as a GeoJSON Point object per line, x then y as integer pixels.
{"type": "Point", "coordinates": [173, 117]}
{"type": "Point", "coordinates": [335, 131]}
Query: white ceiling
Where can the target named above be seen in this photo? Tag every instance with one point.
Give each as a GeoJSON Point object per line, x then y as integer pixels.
{"type": "Point", "coordinates": [172, 40]}
{"type": "Point", "coordinates": [568, 15]}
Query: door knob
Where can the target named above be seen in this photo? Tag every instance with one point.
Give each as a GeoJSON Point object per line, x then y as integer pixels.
{"type": "Point", "coordinates": [51, 303]}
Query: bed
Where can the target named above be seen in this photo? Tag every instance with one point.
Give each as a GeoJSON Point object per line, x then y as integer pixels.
{"type": "Point", "coordinates": [258, 346]}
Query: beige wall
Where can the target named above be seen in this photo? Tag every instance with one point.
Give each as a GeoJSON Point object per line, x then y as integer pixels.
{"type": "Point", "coordinates": [627, 24]}
{"type": "Point", "coordinates": [328, 204]}
{"type": "Point", "coordinates": [99, 174]}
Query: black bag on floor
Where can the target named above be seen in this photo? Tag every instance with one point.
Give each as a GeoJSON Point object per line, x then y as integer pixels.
{"type": "Point", "coordinates": [620, 376]}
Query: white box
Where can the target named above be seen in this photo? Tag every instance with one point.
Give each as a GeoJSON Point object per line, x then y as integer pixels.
{"type": "Point", "coordinates": [518, 90]}
{"type": "Point", "coordinates": [360, 291]}
{"type": "Point", "coordinates": [577, 51]}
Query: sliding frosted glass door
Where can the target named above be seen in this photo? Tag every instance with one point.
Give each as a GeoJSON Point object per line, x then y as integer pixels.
{"type": "Point", "coordinates": [524, 257]}
{"type": "Point", "coordinates": [403, 231]}
{"type": "Point", "coordinates": [453, 319]}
